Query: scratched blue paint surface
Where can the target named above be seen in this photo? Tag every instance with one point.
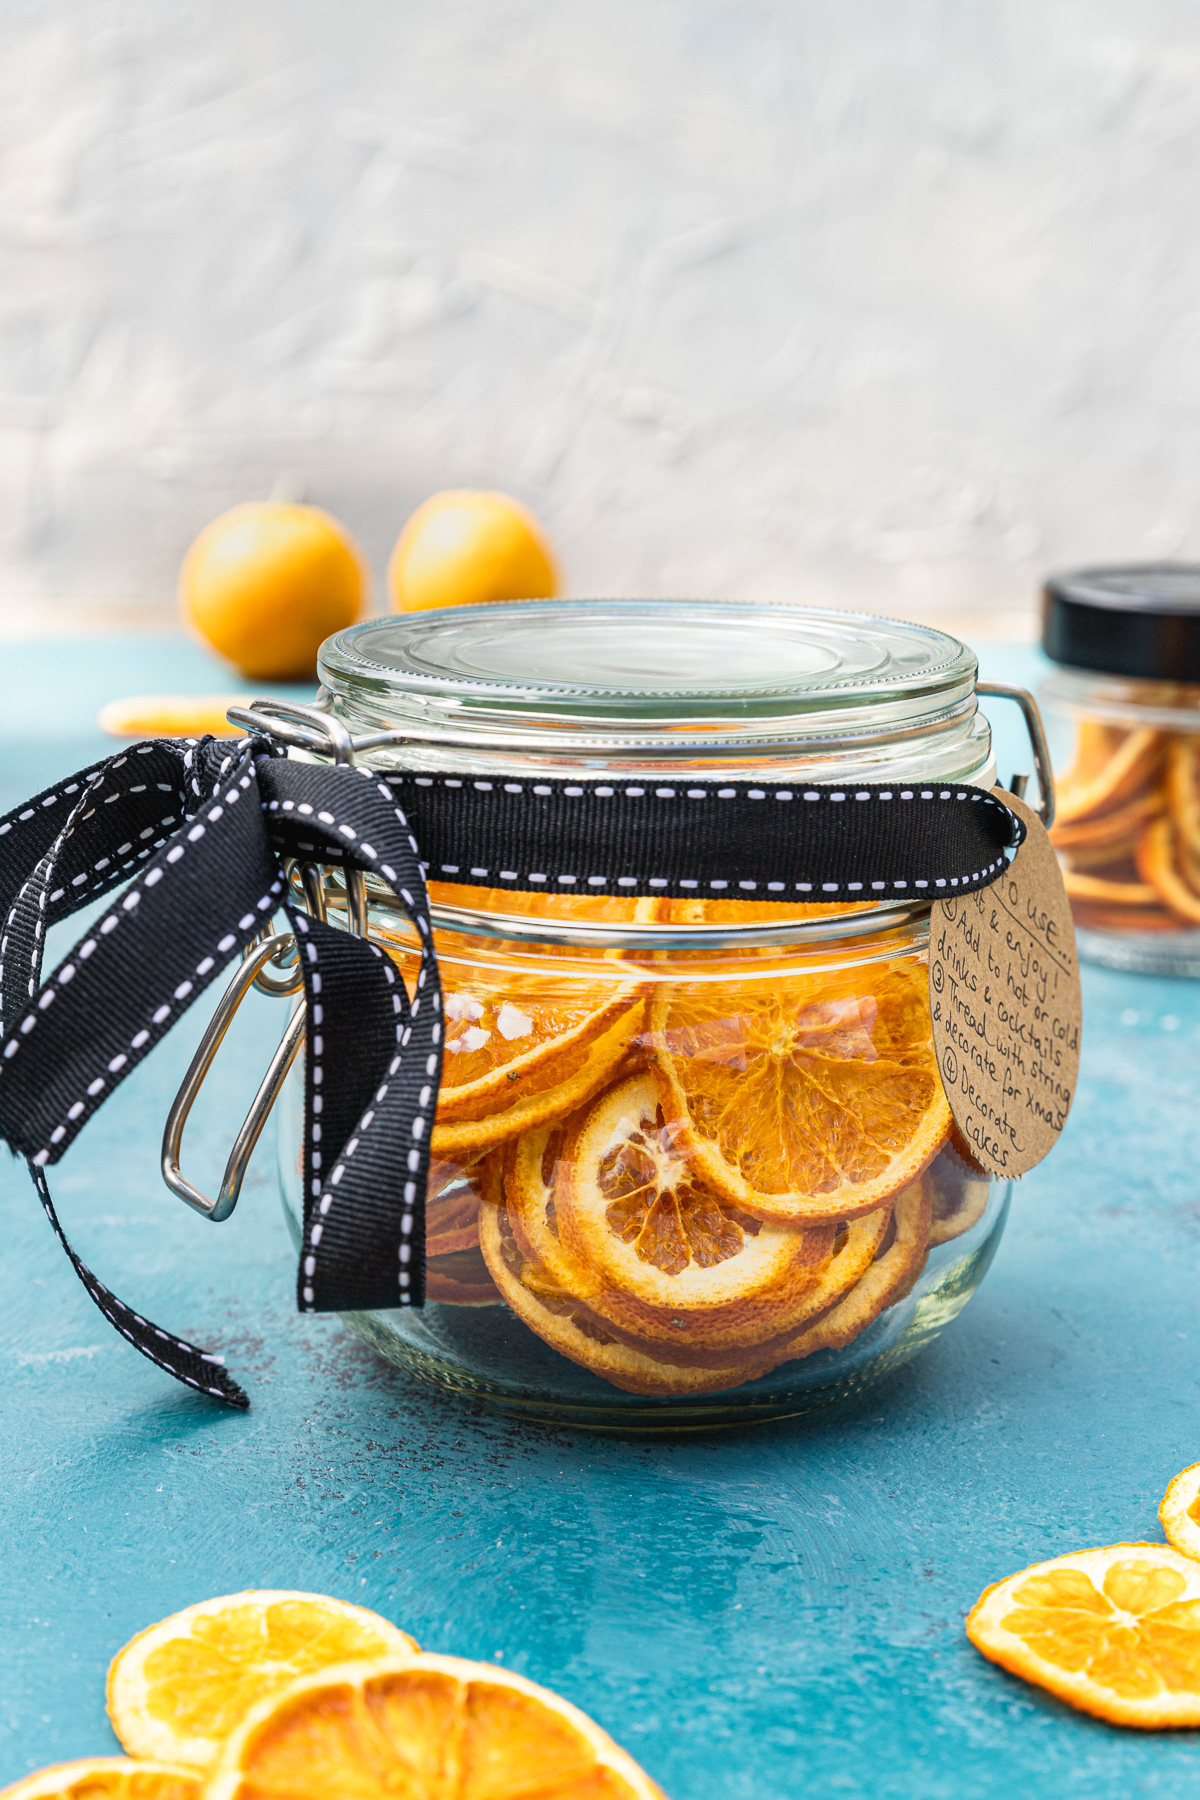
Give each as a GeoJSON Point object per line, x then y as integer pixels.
{"type": "Point", "coordinates": [760, 1614]}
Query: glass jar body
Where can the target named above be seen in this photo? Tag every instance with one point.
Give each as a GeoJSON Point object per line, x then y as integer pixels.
{"type": "Point", "coordinates": [692, 1161]}
{"type": "Point", "coordinates": [609, 1239]}
{"type": "Point", "coordinates": [1127, 764]}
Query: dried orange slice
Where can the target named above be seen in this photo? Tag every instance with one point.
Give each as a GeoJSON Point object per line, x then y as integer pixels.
{"type": "Point", "coordinates": [1133, 764]}
{"type": "Point", "coordinates": [958, 1188]}
{"type": "Point", "coordinates": [437, 1727]}
{"type": "Point", "coordinates": [1183, 788]}
{"type": "Point", "coordinates": [1096, 743]}
{"type": "Point", "coordinates": [1112, 859]}
{"type": "Point", "coordinates": [1108, 831]}
{"type": "Point", "coordinates": [177, 1690]}
{"type": "Point", "coordinates": [563, 1321]}
{"type": "Point", "coordinates": [549, 1092]}
{"type": "Point", "coordinates": [553, 1274]}
{"type": "Point", "coordinates": [1157, 867]}
{"type": "Point", "coordinates": [108, 1778]}
{"type": "Point", "coordinates": [498, 1041]}
{"type": "Point", "coordinates": [856, 1244]}
{"type": "Point", "coordinates": [897, 1263]}
{"type": "Point", "coordinates": [1180, 1511]}
{"type": "Point", "coordinates": [673, 1258]}
{"type": "Point", "coordinates": [814, 1101]}
{"type": "Point", "coordinates": [452, 1207]}
{"type": "Point", "coordinates": [1109, 893]}
{"type": "Point", "coordinates": [1114, 1632]}
{"type": "Point", "coordinates": [460, 1279]}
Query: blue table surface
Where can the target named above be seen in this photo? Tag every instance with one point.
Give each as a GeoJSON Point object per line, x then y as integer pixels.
{"type": "Point", "coordinates": [759, 1613]}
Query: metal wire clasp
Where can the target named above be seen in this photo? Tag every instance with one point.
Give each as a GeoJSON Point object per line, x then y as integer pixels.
{"type": "Point", "coordinates": [270, 963]}
{"type": "Point", "coordinates": [1003, 690]}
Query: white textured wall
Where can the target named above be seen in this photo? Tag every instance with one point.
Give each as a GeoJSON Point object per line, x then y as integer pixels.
{"type": "Point", "coordinates": [880, 302]}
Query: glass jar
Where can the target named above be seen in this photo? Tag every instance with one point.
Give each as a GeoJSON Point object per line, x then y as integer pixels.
{"type": "Point", "coordinates": [693, 1164]}
{"type": "Point", "coordinates": [1123, 719]}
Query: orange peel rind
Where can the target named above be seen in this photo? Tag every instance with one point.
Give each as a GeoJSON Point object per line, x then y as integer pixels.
{"type": "Point", "coordinates": [1156, 860]}
{"type": "Point", "coordinates": [1132, 765]}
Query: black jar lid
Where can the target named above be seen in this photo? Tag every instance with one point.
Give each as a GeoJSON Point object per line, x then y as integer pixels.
{"type": "Point", "coordinates": [1140, 619]}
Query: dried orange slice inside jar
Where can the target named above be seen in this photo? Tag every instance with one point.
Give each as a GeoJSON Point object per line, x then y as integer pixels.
{"type": "Point", "coordinates": [1123, 711]}
{"type": "Point", "coordinates": [692, 1158]}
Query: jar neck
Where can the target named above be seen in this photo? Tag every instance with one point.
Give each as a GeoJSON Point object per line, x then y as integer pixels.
{"type": "Point", "coordinates": [952, 744]}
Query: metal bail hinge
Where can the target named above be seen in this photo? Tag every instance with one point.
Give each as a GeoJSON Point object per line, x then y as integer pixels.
{"type": "Point", "coordinates": [286, 725]}
{"type": "Point", "coordinates": [243, 1145]}
{"type": "Point", "coordinates": [1003, 690]}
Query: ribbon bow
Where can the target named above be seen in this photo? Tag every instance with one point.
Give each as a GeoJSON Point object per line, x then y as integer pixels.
{"type": "Point", "coordinates": [195, 834]}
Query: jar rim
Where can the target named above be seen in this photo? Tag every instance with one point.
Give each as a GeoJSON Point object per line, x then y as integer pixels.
{"type": "Point", "coordinates": [624, 670]}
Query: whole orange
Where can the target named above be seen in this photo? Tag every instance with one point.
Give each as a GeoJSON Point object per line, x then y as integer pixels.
{"type": "Point", "coordinates": [463, 547]}
{"type": "Point", "coordinates": [267, 583]}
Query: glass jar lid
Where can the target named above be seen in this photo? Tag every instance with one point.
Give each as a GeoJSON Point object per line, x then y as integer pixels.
{"type": "Point", "coordinates": [603, 673]}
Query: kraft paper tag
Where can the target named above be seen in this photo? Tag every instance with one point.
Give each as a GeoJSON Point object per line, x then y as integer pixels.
{"type": "Point", "coordinates": [1005, 1003]}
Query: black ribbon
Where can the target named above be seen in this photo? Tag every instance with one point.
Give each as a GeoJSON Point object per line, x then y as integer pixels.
{"type": "Point", "coordinates": [194, 834]}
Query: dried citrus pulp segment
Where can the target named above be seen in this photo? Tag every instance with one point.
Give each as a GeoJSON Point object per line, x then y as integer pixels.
{"type": "Point", "coordinates": [672, 1257]}
{"type": "Point", "coordinates": [433, 1728]}
{"type": "Point", "coordinates": [1180, 1511]}
{"type": "Point", "coordinates": [177, 1690]}
{"type": "Point", "coordinates": [1114, 1632]}
{"type": "Point", "coordinates": [569, 1326]}
{"type": "Point", "coordinates": [548, 1092]}
{"type": "Point", "coordinates": [108, 1778]}
{"type": "Point", "coordinates": [815, 1101]}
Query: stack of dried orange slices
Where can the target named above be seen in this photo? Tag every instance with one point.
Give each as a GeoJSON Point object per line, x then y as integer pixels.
{"type": "Point", "coordinates": [680, 1185]}
{"type": "Point", "coordinates": [1127, 826]}
{"type": "Point", "coordinates": [284, 1696]}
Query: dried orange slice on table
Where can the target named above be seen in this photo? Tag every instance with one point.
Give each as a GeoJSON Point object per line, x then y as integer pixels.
{"type": "Point", "coordinates": [1114, 1632]}
{"type": "Point", "coordinates": [1180, 1511]}
{"type": "Point", "coordinates": [108, 1778]}
{"type": "Point", "coordinates": [810, 1102]}
{"type": "Point", "coordinates": [435, 1726]}
{"type": "Point", "coordinates": [177, 1690]}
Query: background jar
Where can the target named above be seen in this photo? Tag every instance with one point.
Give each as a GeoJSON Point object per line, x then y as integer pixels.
{"type": "Point", "coordinates": [1123, 719]}
{"type": "Point", "coordinates": [636, 1090]}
